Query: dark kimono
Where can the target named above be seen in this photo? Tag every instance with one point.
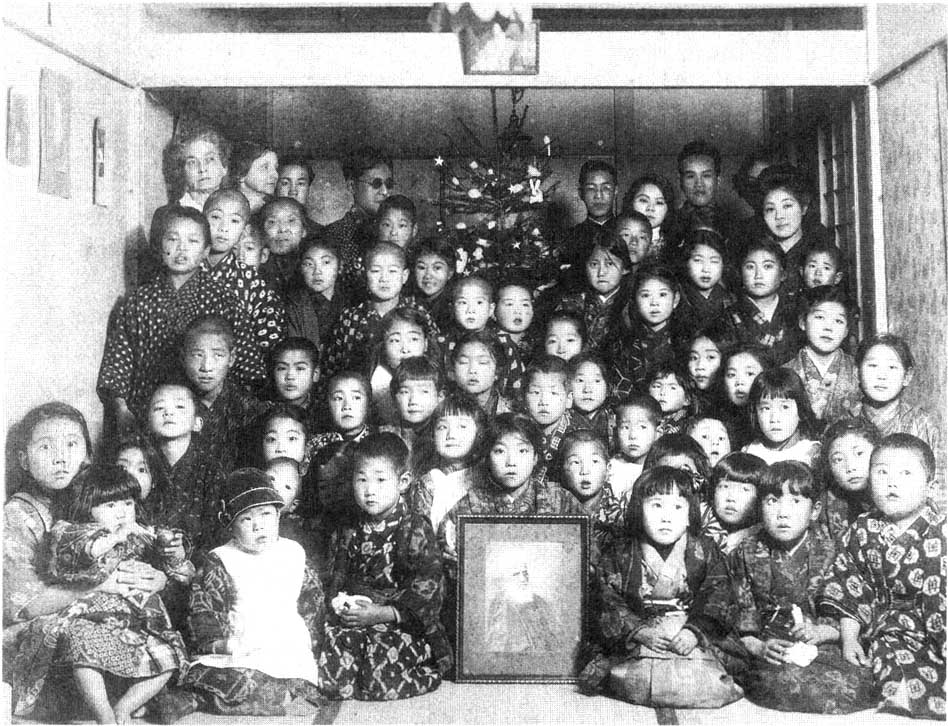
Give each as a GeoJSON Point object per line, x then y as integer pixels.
{"type": "Point", "coordinates": [893, 585]}
{"type": "Point", "coordinates": [634, 348]}
{"type": "Point", "coordinates": [279, 271]}
{"type": "Point", "coordinates": [602, 421]}
{"type": "Point", "coordinates": [768, 581]}
{"type": "Point", "coordinates": [605, 514]}
{"type": "Point", "coordinates": [396, 563]}
{"type": "Point", "coordinates": [834, 394]}
{"type": "Point", "coordinates": [227, 421]}
{"type": "Point", "coordinates": [840, 510]}
{"type": "Point", "coordinates": [781, 333]}
{"type": "Point", "coordinates": [551, 446]}
{"type": "Point", "coordinates": [697, 312]}
{"type": "Point", "coordinates": [598, 314]}
{"type": "Point", "coordinates": [575, 248]}
{"type": "Point", "coordinates": [517, 355]}
{"type": "Point", "coordinates": [352, 235]}
{"type": "Point", "coordinates": [310, 314]}
{"type": "Point", "coordinates": [143, 340]}
{"type": "Point", "coordinates": [130, 637]}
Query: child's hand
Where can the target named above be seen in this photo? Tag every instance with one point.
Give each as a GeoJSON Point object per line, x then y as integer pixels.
{"type": "Point", "coordinates": [366, 615]}
{"type": "Point", "coordinates": [661, 643]}
{"type": "Point", "coordinates": [854, 653]}
{"type": "Point", "coordinates": [172, 547]}
{"type": "Point", "coordinates": [684, 642]}
{"type": "Point", "coordinates": [810, 632]}
{"type": "Point", "coordinates": [775, 650]}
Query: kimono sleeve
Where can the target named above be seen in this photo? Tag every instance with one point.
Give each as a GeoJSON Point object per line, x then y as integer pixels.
{"type": "Point", "coordinates": [847, 592]}
{"type": "Point", "coordinates": [249, 365]}
{"type": "Point", "coordinates": [617, 619]}
{"type": "Point", "coordinates": [118, 358]}
{"type": "Point", "coordinates": [713, 605]}
{"type": "Point", "coordinates": [71, 561]}
{"type": "Point", "coordinates": [24, 552]}
{"type": "Point", "coordinates": [211, 598]}
{"type": "Point", "coordinates": [311, 606]}
{"type": "Point", "coordinates": [418, 600]}
{"type": "Point", "coordinates": [747, 617]}
{"type": "Point", "coordinates": [338, 345]}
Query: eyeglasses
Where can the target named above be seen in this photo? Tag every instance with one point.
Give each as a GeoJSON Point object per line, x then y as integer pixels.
{"type": "Point", "coordinates": [378, 182]}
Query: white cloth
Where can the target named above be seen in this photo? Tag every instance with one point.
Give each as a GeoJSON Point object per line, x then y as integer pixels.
{"type": "Point", "coordinates": [267, 631]}
{"type": "Point", "coordinates": [804, 451]}
{"type": "Point", "coordinates": [621, 475]}
{"type": "Point", "coordinates": [447, 490]}
{"type": "Point", "coordinates": [188, 201]}
{"type": "Point", "coordinates": [381, 382]}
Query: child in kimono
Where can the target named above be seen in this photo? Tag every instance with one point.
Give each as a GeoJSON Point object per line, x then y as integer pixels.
{"type": "Point", "coordinates": [741, 367]}
{"type": "Point", "coordinates": [402, 335]}
{"type": "Point", "coordinates": [847, 449]}
{"type": "Point", "coordinates": [666, 603]}
{"type": "Point", "coordinates": [384, 638]}
{"type": "Point", "coordinates": [589, 384]}
{"type": "Point", "coordinates": [547, 399]}
{"type": "Point", "coordinates": [712, 436]}
{"type": "Point", "coordinates": [584, 459]}
{"type": "Point", "coordinates": [637, 419]}
{"type": "Point", "coordinates": [475, 365]}
{"type": "Point", "coordinates": [670, 385]}
{"type": "Point", "coordinates": [704, 299]}
{"type": "Point", "coordinates": [777, 573]}
{"type": "Point", "coordinates": [257, 612]}
{"type": "Point", "coordinates": [887, 583]}
{"type": "Point", "coordinates": [735, 482]}
{"type": "Point", "coordinates": [314, 300]}
{"type": "Point", "coordinates": [472, 303]}
{"type": "Point", "coordinates": [782, 419]}
{"type": "Point", "coordinates": [433, 262]}
{"type": "Point", "coordinates": [513, 311]}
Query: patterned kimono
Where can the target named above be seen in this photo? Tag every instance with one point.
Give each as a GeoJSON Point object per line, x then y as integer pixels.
{"type": "Point", "coordinates": [605, 513]}
{"type": "Point", "coordinates": [143, 340]}
{"type": "Point", "coordinates": [893, 585]}
{"type": "Point", "coordinates": [840, 510]}
{"type": "Point", "coordinates": [834, 394]}
{"type": "Point", "coordinates": [396, 563]}
{"type": "Point", "coordinates": [634, 348]}
{"type": "Point", "coordinates": [641, 591]}
{"type": "Point", "coordinates": [517, 355]}
{"type": "Point", "coordinates": [768, 581]}
{"type": "Point", "coordinates": [352, 234]}
{"type": "Point", "coordinates": [598, 314]}
{"type": "Point", "coordinates": [237, 689]}
{"type": "Point", "coordinates": [130, 637]}
{"type": "Point", "coordinates": [781, 333]}
{"type": "Point", "coordinates": [602, 421]}
{"type": "Point", "coordinates": [551, 446]}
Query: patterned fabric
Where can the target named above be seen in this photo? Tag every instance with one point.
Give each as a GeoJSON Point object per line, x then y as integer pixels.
{"type": "Point", "coordinates": [516, 355]}
{"type": "Point", "coordinates": [228, 418]}
{"type": "Point", "coordinates": [396, 563]}
{"type": "Point", "coordinates": [279, 271]}
{"type": "Point", "coordinates": [602, 421]}
{"type": "Point", "coordinates": [893, 584]}
{"type": "Point", "coordinates": [261, 304]}
{"type": "Point", "coordinates": [144, 339]}
{"type": "Point", "coordinates": [621, 475]}
{"type": "Point", "coordinates": [352, 235]}
{"type": "Point", "coordinates": [27, 518]}
{"type": "Point", "coordinates": [356, 332]}
{"type": "Point", "coordinates": [781, 333]}
{"type": "Point", "coordinates": [634, 348]}
{"type": "Point", "coordinates": [699, 311]}
{"type": "Point", "coordinates": [530, 627]}
{"type": "Point", "coordinates": [551, 446]}
{"type": "Point", "coordinates": [840, 510]}
{"type": "Point", "coordinates": [605, 513]}
{"type": "Point", "coordinates": [434, 494]}
{"type": "Point", "coordinates": [598, 314]}
{"type": "Point", "coordinates": [834, 394]}
{"type": "Point", "coordinates": [672, 423]}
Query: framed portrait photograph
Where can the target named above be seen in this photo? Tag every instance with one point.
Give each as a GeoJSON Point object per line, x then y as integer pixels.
{"type": "Point", "coordinates": [491, 50]}
{"type": "Point", "coordinates": [521, 597]}
{"type": "Point", "coordinates": [101, 172]}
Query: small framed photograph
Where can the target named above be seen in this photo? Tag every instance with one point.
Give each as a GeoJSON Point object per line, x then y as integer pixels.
{"type": "Point", "coordinates": [522, 605]}
{"type": "Point", "coordinates": [101, 172]}
{"type": "Point", "coordinates": [18, 128]}
{"type": "Point", "coordinates": [490, 50]}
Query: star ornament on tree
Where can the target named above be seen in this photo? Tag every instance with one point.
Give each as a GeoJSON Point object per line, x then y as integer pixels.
{"type": "Point", "coordinates": [439, 160]}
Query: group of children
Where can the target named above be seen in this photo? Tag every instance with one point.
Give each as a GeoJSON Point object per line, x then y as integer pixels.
{"type": "Point", "coordinates": [299, 417]}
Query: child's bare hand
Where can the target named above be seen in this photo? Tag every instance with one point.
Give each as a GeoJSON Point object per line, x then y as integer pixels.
{"type": "Point", "coordinates": [775, 650]}
{"type": "Point", "coordinates": [854, 653]}
{"type": "Point", "coordinates": [684, 642]}
{"type": "Point", "coordinates": [365, 615]}
{"type": "Point", "coordinates": [173, 548]}
{"type": "Point", "coordinates": [661, 643]}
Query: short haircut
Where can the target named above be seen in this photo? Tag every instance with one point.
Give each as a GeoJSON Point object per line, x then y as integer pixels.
{"type": "Point", "coordinates": [572, 317]}
{"type": "Point", "coordinates": [438, 246]}
{"type": "Point", "coordinates": [820, 294]}
{"type": "Point", "coordinates": [846, 426]}
{"type": "Point", "coordinates": [475, 279]}
{"type": "Point", "coordinates": [765, 245]}
{"type": "Point", "coordinates": [163, 217]}
{"type": "Point", "coordinates": [576, 362]}
{"type": "Point", "coordinates": [795, 475]}
{"type": "Point", "coordinates": [243, 156]}
{"type": "Point", "coordinates": [633, 216]}
{"type": "Point", "coordinates": [703, 236]}
{"type": "Point", "coordinates": [518, 425]}
{"type": "Point", "coordinates": [824, 247]}
{"type": "Point", "coordinates": [679, 445]}
{"type": "Point", "coordinates": [512, 279]}
{"type": "Point", "coordinates": [460, 403]}
{"type": "Point", "coordinates": [679, 372]}
{"type": "Point", "coordinates": [593, 166]}
{"type": "Point", "coordinates": [322, 243]}
{"type": "Point", "coordinates": [228, 195]}
{"type": "Point", "coordinates": [661, 480]}
{"type": "Point", "coordinates": [719, 332]}
{"type": "Point", "coordinates": [398, 203]}
{"type": "Point", "coordinates": [403, 314]}
{"type": "Point", "coordinates": [297, 344]}
{"type": "Point", "coordinates": [95, 485]}
{"type": "Point", "coordinates": [273, 204]}
{"type": "Point", "coordinates": [700, 147]}
{"type": "Point", "coordinates": [782, 383]}
{"type": "Point", "coordinates": [665, 187]}
{"type": "Point", "coordinates": [788, 178]}
{"type": "Point", "coordinates": [739, 466]}
{"type": "Point", "coordinates": [580, 436]}
{"type": "Point", "coordinates": [350, 376]}
{"type": "Point", "coordinates": [385, 248]}
{"type": "Point", "coordinates": [608, 240]}
{"type": "Point", "coordinates": [545, 365]}
{"type": "Point", "coordinates": [208, 325]}
{"type": "Point", "coordinates": [642, 402]}
{"type": "Point", "coordinates": [759, 352]}
{"type": "Point", "coordinates": [296, 160]}
{"type": "Point", "coordinates": [178, 381]}
{"type": "Point", "coordinates": [178, 149]}
{"type": "Point", "coordinates": [417, 368]}
{"type": "Point", "coordinates": [385, 445]}
{"type": "Point", "coordinates": [284, 410]}
{"type": "Point", "coordinates": [913, 444]}
{"type": "Point", "coordinates": [362, 159]}
{"type": "Point", "coordinates": [489, 341]}
{"type": "Point", "coordinates": [655, 271]}
{"type": "Point", "coordinates": [896, 343]}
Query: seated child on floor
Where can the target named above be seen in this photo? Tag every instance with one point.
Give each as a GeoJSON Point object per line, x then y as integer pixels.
{"type": "Point", "coordinates": [778, 572]}
{"type": "Point", "coordinates": [589, 384]}
{"type": "Point", "coordinates": [257, 612]}
{"type": "Point", "coordinates": [735, 482]}
{"type": "Point", "coordinates": [384, 638]}
{"type": "Point", "coordinates": [637, 419]}
{"type": "Point", "coordinates": [128, 635]}
{"type": "Point", "coordinates": [666, 602]}
{"type": "Point", "coordinates": [887, 583]}
{"type": "Point", "coordinates": [475, 366]}
{"type": "Point", "coordinates": [782, 419]}
{"type": "Point", "coordinates": [712, 436]}
{"type": "Point", "coordinates": [847, 449]}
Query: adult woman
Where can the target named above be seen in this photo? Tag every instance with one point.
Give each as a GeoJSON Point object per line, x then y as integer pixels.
{"type": "Point", "coordinates": [199, 162]}
{"type": "Point", "coordinates": [254, 172]}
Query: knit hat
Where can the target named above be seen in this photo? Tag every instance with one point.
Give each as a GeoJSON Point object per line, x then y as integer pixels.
{"type": "Point", "coordinates": [245, 489]}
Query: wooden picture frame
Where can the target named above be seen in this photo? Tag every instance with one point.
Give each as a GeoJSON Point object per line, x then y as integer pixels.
{"type": "Point", "coordinates": [522, 600]}
{"type": "Point", "coordinates": [490, 51]}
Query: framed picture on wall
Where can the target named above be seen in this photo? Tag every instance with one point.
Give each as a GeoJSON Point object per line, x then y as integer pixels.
{"type": "Point", "coordinates": [521, 597]}
{"type": "Point", "coordinates": [101, 176]}
{"type": "Point", "coordinates": [491, 50]}
{"type": "Point", "coordinates": [18, 128]}
{"type": "Point", "coordinates": [55, 124]}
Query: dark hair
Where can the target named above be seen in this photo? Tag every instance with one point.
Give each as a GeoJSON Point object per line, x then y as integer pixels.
{"type": "Point", "coordinates": [703, 236]}
{"type": "Point", "coordinates": [632, 215]}
{"type": "Point", "coordinates": [761, 353]}
{"type": "Point", "coordinates": [907, 442]}
{"type": "Point", "coordinates": [569, 316]}
{"type": "Point", "coordinates": [350, 375]}
{"type": "Point", "coordinates": [474, 279]}
{"type": "Point", "coordinates": [895, 342]}
{"type": "Point", "coordinates": [823, 247]}
{"type": "Point", "coordinates": [284, 410]}
{"type": "Point", "coordinates": [489, 341]}
{"type": "Point", "coordinates": [95, 485]}
{"type": "Point", "coordinates": [134, 440]}
{"type": "Point", "coordinates": [826, 294]}
{"type": "Point", "coordinates": [655, 271]}
{"type": "Point", "coordinates": [360, 160]}
{"type": "Point", "coordinates": [245, 153]}
{"type": "Point", "coordinates": [795, 475]}
{"type": "Point", "coordinates": [319, 242]}
{"type": "Point", "coordinates": [545, 365]}
{"type": "Point", "coordinates": [573, 365]}
{"type": "Point", "coordinates": [739, 466]}
{"type": "Point", "coordinates": [436, 245]}
{"type": "Point", "coordinates": [459, 403]}
{"type": "Point", "coordinates": [579, 436]}
{"type": "Point", "coordinates": [233, 194]}
{"type": "Point", "coordinates": [512, 280]}
{"type": "Point", "coordinates": [788, 178]}
{"type": "Point", "coordinates": [175, 380]}
{"type": "Point", "coordinates": [33, 418]}
{"type": "Point", "coordinates": [398, 203]}
{"type": "Point", "coordinates": [700, 147]}
{"type": "Point", "coordinates": [163, 218]}
{"type": "Point", "coordinates": [661, 480]}
{"type": "Point", "coordinates": [664, 186]}
{"type": "Point", "coordinates": [643, 402]}
{"type": "Point", "coordinates": [765, 245]}
{"type": "Point", "coordinates": [680, 445]}
{"type": "Point", "coordinates": [296, 344]}
{"type": "Point", "coordinates": [267, 209]}
{"type": "Point", "coordinates": [593, 166]}
{"type": "Point", "coordinates": [612, 243]}
{"type": "Point", "coordinates": [296, 160]}
{"type": "Point", "coordinates": [208, 325]}
{"type": "Point", "coordinates": [417, 368]}
{"type": "Point", "coordinates": [746, 187]}
{"type": "Point", "coordinates": [518, 425]}
{"type": "Point", "coordinates": [384, 445]}
{"type": "Point", "coordinates": [846, 426]}
{"type": "Point", "coordinates": [680, 373]}
{"type": "Point", "coordinates": [781, 383]}
{"type": "Point", "coordinates": [384, 248]}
